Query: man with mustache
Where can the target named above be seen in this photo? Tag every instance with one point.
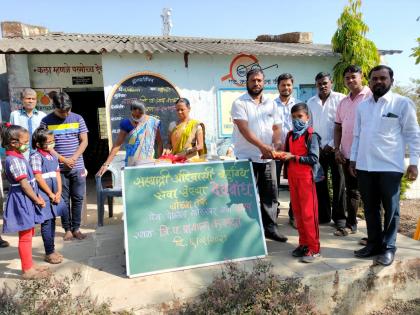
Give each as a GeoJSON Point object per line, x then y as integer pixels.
{"type": "Point", "coordinates": [257, 127]}
{"type": "Point", "coordinates": [385, 124]}
{"type": "Point", "coordinates": [343, 138]}
{"type": "Point", "coordinates": [323, 107]}
{"type": "Point", "coordinates": [284, 103]}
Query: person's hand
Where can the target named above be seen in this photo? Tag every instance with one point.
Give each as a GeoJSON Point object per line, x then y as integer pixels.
{"type": "Point", "coordinates": [352, 168]}
{"type": "Point", "coordinates": [40, 202]}
{"type": "Point", "coordinates": [266, 151]}
{"type": "Point", "coordinates": [339, 157]}
{"type": "Point", "coordinates": [57, 198]}
{"type": "Point", "coordinates": [288, 156]}
{"type": "Point", "coordinates": [327, 149]}
{"type": "Point", "coordinates": [69, 162]}
{"type": "Point", "coordinates": [102, 170]}
{"type": "Point", "coordinates": [166, 151]}
{"type": "Point", "coordinates": [412, 172]}
{"type": "Point", "coordinates": [51, 196]}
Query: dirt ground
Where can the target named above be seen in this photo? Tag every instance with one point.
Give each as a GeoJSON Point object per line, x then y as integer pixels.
{"type": "Point", "coordinates": [400, 308]}
{"type": "Point", "coordinates": [409, 215]}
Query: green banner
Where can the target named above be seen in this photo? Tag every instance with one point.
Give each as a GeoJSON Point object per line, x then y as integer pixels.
{"type": "Point", "coordinates": [188, 215]}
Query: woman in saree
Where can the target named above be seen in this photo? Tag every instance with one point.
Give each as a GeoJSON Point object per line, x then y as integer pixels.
{"type": "Point", "coordinates": [143, 133]}
{"type": "Point", "coordinates": [187, 135]}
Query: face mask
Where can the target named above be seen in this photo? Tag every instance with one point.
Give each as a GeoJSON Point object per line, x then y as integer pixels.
{"type": "Point", "coordinates": [51, 146]}
{"type": "Point", "coordinates": [299, 124]}
{"type": "Point", "coordinates": [137, 120]}
{"type": "Point", "coordinates": [23, 148]}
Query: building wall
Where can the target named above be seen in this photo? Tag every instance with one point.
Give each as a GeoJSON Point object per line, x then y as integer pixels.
{"type": "Point", "coordinates": [201, 80]}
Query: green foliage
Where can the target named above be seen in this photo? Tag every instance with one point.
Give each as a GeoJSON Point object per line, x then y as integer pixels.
{"type": "Point", "coordinates": [349, 40]}
{"type": "Point", "coordinates": [405, 185]}
{"type": "Point", "coordinates": [416, 52]}
{"type": "Point", "coordinates": [260, 291]}
{"type": "Point", "coordinates": [50, 296]}
{"type": "Point", "coordinates": [411, 91]}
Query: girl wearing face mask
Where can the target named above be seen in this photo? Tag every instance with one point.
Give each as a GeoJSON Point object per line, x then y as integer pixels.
{"type": "Point", "coordinates": [23, 205]}
{"type": "Point", "coordinates": [47, 174]}
{"type": "Point", "coordinates": [302, 170]}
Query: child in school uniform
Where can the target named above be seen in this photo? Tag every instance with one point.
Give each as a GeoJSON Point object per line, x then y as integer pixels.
{"type": "Point", "coordinates": [23, 205]}
{"type": "Point", "coordinates": [303, 170]}
{"type": "Point", "coordinates": [47, 174]}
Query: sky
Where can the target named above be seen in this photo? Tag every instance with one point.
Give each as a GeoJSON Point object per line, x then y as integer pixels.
{"type": "Point", "coordinates": [393, 24]}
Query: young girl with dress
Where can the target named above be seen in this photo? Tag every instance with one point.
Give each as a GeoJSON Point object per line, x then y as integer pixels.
{"type": "Point", "coordinates": [47, 174]}
{"type": "Point", "coordinates": [22, 210]}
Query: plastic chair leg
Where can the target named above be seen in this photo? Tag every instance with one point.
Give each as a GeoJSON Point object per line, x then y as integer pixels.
{"type": "Point", "coordinates": [101, 208]}
{"type": "Point", "coordinates": [110, 206]}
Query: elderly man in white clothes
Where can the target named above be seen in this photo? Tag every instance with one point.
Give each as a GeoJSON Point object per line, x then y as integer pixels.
{"type": "Point", "coordinates": [323, 107]}
{"type": "Point", "coordinates": [256, 130]}
{"type": "Point", "coordinates": [386, 123]}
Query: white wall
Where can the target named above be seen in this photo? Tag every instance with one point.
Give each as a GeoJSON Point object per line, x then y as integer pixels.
{"type": "Point", "coordinates": [201, 80]}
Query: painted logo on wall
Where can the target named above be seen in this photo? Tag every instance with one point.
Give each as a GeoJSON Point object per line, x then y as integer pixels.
{"type": "Point", "coordinates": [239, 67]}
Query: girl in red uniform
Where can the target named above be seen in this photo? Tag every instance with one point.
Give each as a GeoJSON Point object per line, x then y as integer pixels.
{"type": "Point", "coordinates": [303, 170]}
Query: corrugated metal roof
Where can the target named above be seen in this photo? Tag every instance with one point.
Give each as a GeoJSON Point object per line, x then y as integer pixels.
{"type": "Point", "coordinates": [102, 43]}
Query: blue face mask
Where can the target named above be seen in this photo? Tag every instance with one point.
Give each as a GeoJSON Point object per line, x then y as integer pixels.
{"type": "Point", "coordinates": [299, 125]}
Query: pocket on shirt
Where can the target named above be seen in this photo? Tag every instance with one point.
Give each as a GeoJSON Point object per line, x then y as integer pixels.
{"type": "Point", "coordinates": [389, 125]}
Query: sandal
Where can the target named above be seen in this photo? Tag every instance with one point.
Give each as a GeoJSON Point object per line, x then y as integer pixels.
{"type": "Point", "coordinates": [40, 268]}
{"type": "Point", "coordinates": [341, 232]}
{"type": "Point", "coordinates": [79, 235]}
{"type": "Point", "coordinates": [53, 259]}
{"type": "Point", "coordinates": [33, 274]}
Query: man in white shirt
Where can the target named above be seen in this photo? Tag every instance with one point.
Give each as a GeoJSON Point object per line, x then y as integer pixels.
{"type": "Point", "coordinates": [323, 107]}
{"type": "Point", "coordinates": [343, 138]}
{"type": "Point", "coordinates": [284, 103]}
{"type": "Point", "coordinates": [385, 124]}
{"type": "Point", "coordinates": [256, 129]}
{"type": "Point", "coordinates": [28, 116]}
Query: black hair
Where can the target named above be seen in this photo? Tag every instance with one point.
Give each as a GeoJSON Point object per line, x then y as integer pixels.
{"type": "Point", "coordinates": [40, 136]}
{"type": "Point", "coordinates": [352, 69]}
{"type": "Point", "coordinates": [253, 72]}
{"type": "Point", "coordinates": [381, 67]}
{"type": "Point", "coordinates": [61, 100]}
{"type": "Point", "coordinates": [183, 100]}
{"type": "Point", "coordinates": [10, 133]}
{"type": "Point", "coordinates": [284, 76]}
{"type": "Point", "coordinates": [322, 75]}
{"type": "Point", "coordinates": [298, 107]}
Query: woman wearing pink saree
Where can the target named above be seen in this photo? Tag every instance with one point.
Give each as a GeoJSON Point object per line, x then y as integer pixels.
{"type": "Point", "coordinates": [142, 133]}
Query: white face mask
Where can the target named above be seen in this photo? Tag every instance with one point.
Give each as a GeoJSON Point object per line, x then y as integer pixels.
{"type": "Point", "coordinates": [137, 119]}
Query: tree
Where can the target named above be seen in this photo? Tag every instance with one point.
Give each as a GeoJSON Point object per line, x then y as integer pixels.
{"type": "Point", "coordinates": [416, 52]}
{"type": "Point", "coordinates": [411, 91]}
{"type": "Point", "coordinates": [349, 40]}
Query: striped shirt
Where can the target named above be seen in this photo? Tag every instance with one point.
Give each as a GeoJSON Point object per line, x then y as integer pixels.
{"type": "Point", "coordinates": [67, 135]}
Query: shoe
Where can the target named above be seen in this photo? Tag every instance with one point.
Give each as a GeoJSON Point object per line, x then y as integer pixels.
{"type": "Point", "coordinates": [275, 235]}
{"type": "Point", "coordinates": [386, 258]}
{"type": "Point", "coordinates": [68, 236]}
{"type": "Point", "coordinates": [310, 257]}
{"type": "Point", "coordinates": [367, 251]}
{"type": "Point", "coordinates": [300, 251]}
{"type": "Point", "coordinates": [3, 243]}
{"type": "Point", "coordinates": [79, 235]}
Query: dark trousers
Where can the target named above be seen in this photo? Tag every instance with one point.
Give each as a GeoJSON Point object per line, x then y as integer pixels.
{"type": "Point", "coordinates": [376, 188]}
{"type": "Point", "coordinates": [352, 197]}
{"type": "Point", "coordinates": [48, 234]}
{"type": "Point", "coordinates": [337, 211]}
{"type": "Point", "coordinates": [279, 166]}
{"type": "Point", "coordinates": [265, 178]}
{"type": "Point", "coordinates": [74, 187]}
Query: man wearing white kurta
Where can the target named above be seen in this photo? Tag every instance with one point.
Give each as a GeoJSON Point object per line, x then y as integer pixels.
{"type": "Point", "coordinates": [323, 107]}
{"type": "Point", "coordinates": [386, 123]}
{"type": "Point", "coordinates": [256, 130]}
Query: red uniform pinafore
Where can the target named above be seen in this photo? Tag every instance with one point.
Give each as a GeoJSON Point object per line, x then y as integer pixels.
{"type": "Point", "coordinates": [303, 196]}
